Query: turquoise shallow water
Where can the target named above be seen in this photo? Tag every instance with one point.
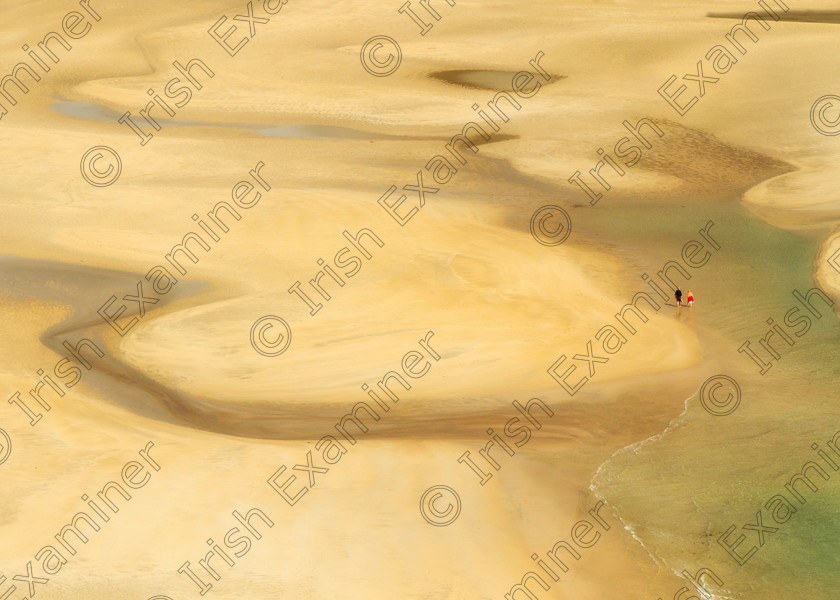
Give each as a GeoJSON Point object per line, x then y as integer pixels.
{"type": "Point", "coordinates": [680, 491]}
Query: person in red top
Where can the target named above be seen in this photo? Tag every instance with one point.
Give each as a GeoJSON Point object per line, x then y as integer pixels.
{"type": "Point", "coordinates": [690, 298]}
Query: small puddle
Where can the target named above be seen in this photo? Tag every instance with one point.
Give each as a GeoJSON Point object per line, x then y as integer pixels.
{"type": "Point", "coordinates": [326, 132]}
{"type": "Point", "coordinates": [97, 112]}
{"type": "Point", "coordinates": [86, 110]}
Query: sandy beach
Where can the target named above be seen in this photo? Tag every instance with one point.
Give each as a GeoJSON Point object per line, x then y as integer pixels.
{"type": "Point", "coordinates": [141, 398]}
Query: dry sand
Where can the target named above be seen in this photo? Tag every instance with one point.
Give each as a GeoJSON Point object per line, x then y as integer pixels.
{"type": "Point", "coordinates": [501, 306]}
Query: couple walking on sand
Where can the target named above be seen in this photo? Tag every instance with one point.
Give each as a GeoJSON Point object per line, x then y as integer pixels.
{"type": "Point", "coordinates": [678, 296]}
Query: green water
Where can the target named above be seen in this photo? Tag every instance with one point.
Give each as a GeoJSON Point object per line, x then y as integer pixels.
{"type": "Point", "coordinates": [706, 473]}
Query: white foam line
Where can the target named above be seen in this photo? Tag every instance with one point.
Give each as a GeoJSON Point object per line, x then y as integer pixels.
{"type": "Point", "coordinates": [678, 421]}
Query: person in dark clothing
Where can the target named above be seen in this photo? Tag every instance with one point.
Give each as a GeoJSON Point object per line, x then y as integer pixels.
{"type": "Point", "coordinates": [678, 296]}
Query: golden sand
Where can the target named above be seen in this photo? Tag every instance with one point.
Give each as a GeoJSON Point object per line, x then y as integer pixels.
{"type": "Point", "coordinates": [224, 419]}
